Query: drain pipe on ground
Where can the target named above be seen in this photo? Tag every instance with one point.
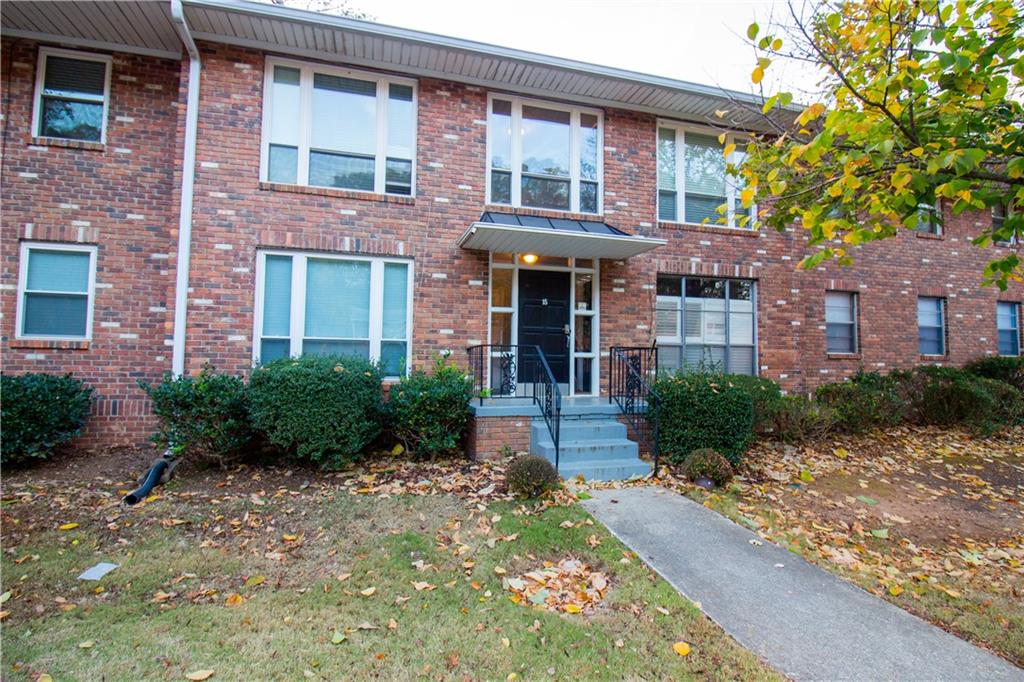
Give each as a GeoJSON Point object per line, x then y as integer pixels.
{"type": "Point", "coordinates": [188, 172]}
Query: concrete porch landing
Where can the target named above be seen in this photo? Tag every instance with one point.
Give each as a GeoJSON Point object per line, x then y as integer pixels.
{"type": "Point", "coordinates": [802, 620]}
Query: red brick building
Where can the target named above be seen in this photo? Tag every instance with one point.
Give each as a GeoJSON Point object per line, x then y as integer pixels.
{"type": "Point", "coordinates": [357, 188]}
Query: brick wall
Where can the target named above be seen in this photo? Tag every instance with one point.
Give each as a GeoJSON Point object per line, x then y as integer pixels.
{"type": "Point", "coordinates": [493, 437]}
{"type": "Point", "coordinates": [122, 197]}
{"type": "Point", "coordinates": [118, 196]}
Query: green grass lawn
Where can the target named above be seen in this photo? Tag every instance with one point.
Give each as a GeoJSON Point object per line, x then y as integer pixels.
{"type": "Point", "coordinates": [304, 563]}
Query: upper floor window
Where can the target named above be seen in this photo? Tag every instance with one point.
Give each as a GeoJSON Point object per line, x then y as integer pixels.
{"type": "Point", "coordinates": [55, 291]}
{"type": "Point", "coordinates": [841, 322]}
{"type": "Point", "coordinates": [1000, 212]}
{"type": "Point", "coordinates": [72, 91]}
{"type": "Point", "coordinates": [929, 218]}
{"type": "Point", "coordinates": [931, 325]}
{"type": "Point", "coordinates": [693, 182]}
{"type": "Point", "coordinates": [326, 304]}
{"type": "Point", "coordinates": [543, 155]}
{"type": "Point", "coordinates": [1008, 327]}
{"type": "Point", "coordinates": [329, 127]}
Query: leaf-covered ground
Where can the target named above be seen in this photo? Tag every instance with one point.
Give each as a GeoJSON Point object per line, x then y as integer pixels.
{"type": "Point", "coordinates": [931, 520]}
{"type": "Point", "coordinates": [392, 571]}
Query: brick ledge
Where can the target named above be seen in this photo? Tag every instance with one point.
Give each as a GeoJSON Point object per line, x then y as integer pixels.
{"type": "Point", "coordinates": [49, 344]}
{"type": "Point", "coordinates": [336, 192]}
{"type": "Point", "coordinates": [70, 144]}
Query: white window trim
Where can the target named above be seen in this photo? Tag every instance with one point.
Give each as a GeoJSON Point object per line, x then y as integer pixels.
{"type": "Point", "coordinates": [730, 184]}
{"type": "Point", "coordinates": [23, 282]}
{"type": "Point", "coordinates": [37, 101]}
{"type": "Point", "coordinates": [854, 311]}
{"type": "Point", "coordinates": [594, 313]}
{"type": "Point", "coordinates": [306, 71]}
{"type": "Point", "coordinates": [941, 327]}
{"type": "Point", "coordinates": [297, 323]}
{"type": "Point", "coordinates": [574, 152]}
{"type": "Point", "coordinates": [1019, 310]}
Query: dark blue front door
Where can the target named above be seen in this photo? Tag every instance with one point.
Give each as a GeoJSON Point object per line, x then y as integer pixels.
{"type": "Point", "coordinates": [544, 318]}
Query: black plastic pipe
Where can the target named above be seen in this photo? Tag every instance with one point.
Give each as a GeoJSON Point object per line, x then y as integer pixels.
{"type": "Point", "coordinates": [151, 480]}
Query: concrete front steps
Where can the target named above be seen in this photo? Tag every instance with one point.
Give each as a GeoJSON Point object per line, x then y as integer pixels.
{"type": "Point", "coordinates": [592, 443]}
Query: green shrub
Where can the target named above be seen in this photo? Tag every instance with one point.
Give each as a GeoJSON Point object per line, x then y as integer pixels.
{"type": "Point", "coordinates": [323, 408]}
{"type": "Point", "coordinates": [764, 394]}
{"type": "Point", "coordinates": [429, 412]}
{"type": "Point", "coordinates": [796, 419]}
{"type": "Point", "coordinates": [866, 401]}
{"type": "Point", "coordinates": [531, 476]}
{"type": "Point", "coordinates": [1009, 370]}
{"type": "Point", "coordinates": [950, 396]}
{"type": "Point", "coordinates": [703, 411]}
{"type": "Point", "coordinates": [40, 412]}
{"type": "Point", "coordinates": [706, 463]}
{"type": "Point", "coordinates": [205, 417]}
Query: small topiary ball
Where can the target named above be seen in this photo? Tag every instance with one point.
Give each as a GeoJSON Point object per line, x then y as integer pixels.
{"type": "Point", "coordinates": [706, 463]}
{"type": "Point", "coordinates": [531, 476]}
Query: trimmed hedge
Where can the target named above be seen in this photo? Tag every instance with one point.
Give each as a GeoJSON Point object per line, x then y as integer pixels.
{"type": "Point", "coordinates": [704, 411]}
{"type": "Point", "coordinates": [1009, 370]}
{"type": "Point", "coordinates": [950, 396]}
{"type": "Point", "coordinates": [40, 412]}
{"type": "Point", "coordinates": [326, 409]}
{"type": "Point", "coordinates": [428, 413]}
{"type": "Point", "coordinates": [205, 417]}
{"type": "Point", "coordinates": [764, 394]}
{"type": "Point", "coordinates": [797, 419]}
{"type": "Point", "coordinates": [866, 401]}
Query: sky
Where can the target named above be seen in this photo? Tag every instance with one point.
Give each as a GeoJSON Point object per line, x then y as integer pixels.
{"type": "Point", "coordinates": [695, 40]}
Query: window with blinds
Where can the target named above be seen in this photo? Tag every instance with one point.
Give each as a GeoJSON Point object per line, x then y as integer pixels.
{"type": "Point", "coordinates": [931, 325]}
{"type": "Point", "coordinates": [543, 155]}
{"type": "Point", "coordinates": [334, 305]}
{"type": "Point", "coordinates": [1008, 327]}
{"type": "Point", "coordinates": [841, 322]}
{"type": "Point", "coordinates": [694, 182]}
{"type": "Point", "coordinates": [72, 90]}
{"type": "Point", "coordinates": [705, 324]}
{"type": "Point", "coordinates": [332, 128]}
{"type": "Point", "coordinates": [56, 291]}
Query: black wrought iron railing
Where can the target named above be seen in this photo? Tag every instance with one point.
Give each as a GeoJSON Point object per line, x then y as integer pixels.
{"type": "Point", "coordinates": [506, 371]}
{"type": "Point", "coordinates": [632, 371]}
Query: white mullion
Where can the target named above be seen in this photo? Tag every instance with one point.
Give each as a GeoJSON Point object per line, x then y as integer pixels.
{"type": "Point", "coordinates": [380, 161]}
{"type": "Point", "coordinates": [571, 353]}
{"type": "Point", "coordinates": [257, 313]}
{"type": "Point", "coordinates": [730, 188]}
{"type": "Point", "coordinates": [305, 123]}
{"type": "Point", "coordinates": [574, 164]}
{"type": "Point", "coordinates": [517, 152]}
{"type": "Point", "coordinates": [600, 163]}
{"type": "Point", "coordinates": [408, 313]}
{"type": "Point", "coordinates": [680, 175]}
{"type": "Point", "coordinates": [297, 319]}
{"type": "Point", "coordinates": [595, 329]}
{"type": "Point", "coordinates": [268, 113]}
{"type": "Point", "coordinates": [376, 307]}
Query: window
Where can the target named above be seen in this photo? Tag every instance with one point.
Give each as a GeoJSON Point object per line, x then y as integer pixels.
{"type": "Point", "coordinates": [705, 324]}
{"type": "Point", "coordinates": [931, 326]}
{"type": "Point", "coordinates": [1000, 212]}
{"type": "Point", "coordinates": [553, 161]}
{"type": "Point", "coordinates": [929, 218]}
{"type": "Point", "coordinates": [334, 305]}
{"type": "Point", "coordinates": [841, 322]}
{"type": "Point", "coordinates": [72, 91]}
{"type": "Point", "coordinates": [56, 287]}
{"type": "Point", "coordinates": [1008, 326]}
{"type": "Point", "coordinates": [334, 128]}
{"type": "Point", "coordinates": [693, 182]}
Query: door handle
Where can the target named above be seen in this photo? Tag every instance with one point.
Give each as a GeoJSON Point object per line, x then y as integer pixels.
{"type": "Point", "coordinates": [567, 331]}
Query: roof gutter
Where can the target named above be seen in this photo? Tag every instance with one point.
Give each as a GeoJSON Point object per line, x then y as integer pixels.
{"type": "Point", "coordinates": [188, 175]}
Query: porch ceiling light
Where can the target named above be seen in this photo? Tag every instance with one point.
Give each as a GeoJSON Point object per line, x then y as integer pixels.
{"type": "Point", "coordinates": [529, 258]}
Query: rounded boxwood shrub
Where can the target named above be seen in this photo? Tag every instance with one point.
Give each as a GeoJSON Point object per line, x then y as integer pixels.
{"type": "Point", "coordinates": [326, 409]}
{"type": "Point", "coordinates": [866, 401]}
{"type": "Point", "coordinates": [205, 417]}
{"type": "Point", "coordinates": [428, 413]}
{"type": "Point", "coordinates": [703, 411]}
{"type": "Point", "coordinates": [40, 412]}
{"type": "Point", "coordinates": [706, 463]}
{"type": "Point", "coordinates": [764, 394]}
{"type": "Point", "coordinates": [1009, 370]}
{"type": "Point", "coordinates": [531, 476]}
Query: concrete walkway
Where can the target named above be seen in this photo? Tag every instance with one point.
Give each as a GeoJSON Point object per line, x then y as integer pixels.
{"type": "Point", "coordinates": [807, 623]}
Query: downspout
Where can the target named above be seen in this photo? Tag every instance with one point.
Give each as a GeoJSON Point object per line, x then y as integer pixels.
{"type": "Point", "coordinates": [188, 173]}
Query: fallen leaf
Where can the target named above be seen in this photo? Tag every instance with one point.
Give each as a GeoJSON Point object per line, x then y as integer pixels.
{"type": "Point", "coordinates": [423, 585]}
{"type": "Point", "coordinates": [681, 648]}
{"type": "Point", "coordinates": [87, 644]}
{"type": "Point", "coordinates": [234, 599]}
{"type": "Point", "coordinates": [895, 590]}
{"type": "Point", "coordinates": [368, 592]}
{"type": "Point", "coordinates": [199, 675]}
{"type": "Point", "coordinates": [867, 500]}
{"type": "Point", "coordinates": [571, 608]}
{"type": "Point", "coordinates": [338, 637]}
{"type": "Point", "coordinates": [68, 526]}
{"type": "Point", "coordinates": [254, 580]}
